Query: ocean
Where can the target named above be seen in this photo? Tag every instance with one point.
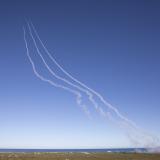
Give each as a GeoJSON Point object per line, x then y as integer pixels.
{"type": "Point", "coordinates": [76, 150]}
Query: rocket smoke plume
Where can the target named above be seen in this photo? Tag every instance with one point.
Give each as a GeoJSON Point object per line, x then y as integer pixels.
{"type": "Point", "coordinates": [135, 134]}
{"type": "Point", "coordinates": [76, 93]}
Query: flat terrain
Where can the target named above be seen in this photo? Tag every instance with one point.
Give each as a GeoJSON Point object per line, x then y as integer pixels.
{"type": "Point", "coordinates": [78, 156]}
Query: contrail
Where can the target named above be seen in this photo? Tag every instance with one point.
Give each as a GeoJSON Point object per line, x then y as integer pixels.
{"type": "Point", "coordinates": [77, 94]}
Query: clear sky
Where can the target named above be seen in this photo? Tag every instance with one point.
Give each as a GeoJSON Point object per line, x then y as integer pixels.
{"type": "Point", "coordinates": [112, 46]}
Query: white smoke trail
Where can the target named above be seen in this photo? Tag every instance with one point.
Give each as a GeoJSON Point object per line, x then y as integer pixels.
{"type": "Point", "coordinates": [83, 85]}
{"type": "Point", "coordinates": [77, 94]}
{"type": "Point", "coordinates": [133, 130]}
{"type": "Point", "coordinates": [90, 95]}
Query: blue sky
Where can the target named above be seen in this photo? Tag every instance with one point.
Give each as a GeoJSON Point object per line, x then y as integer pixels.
{"type": "Point", "coordinates": [112, 46]}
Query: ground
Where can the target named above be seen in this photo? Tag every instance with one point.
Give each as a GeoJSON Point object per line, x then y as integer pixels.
{"type": "Point", "coordinates": [78, 156]}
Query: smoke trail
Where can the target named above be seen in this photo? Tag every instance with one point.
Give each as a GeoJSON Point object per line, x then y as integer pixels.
{"type": "Point", "coordinates": [90, 95]}
{"type": "Point", "coordinates": [77, 94]}
{"type": "Point", "coordinates": [134, 132]}
{"type": "Point", "coordinates": [83, 85]}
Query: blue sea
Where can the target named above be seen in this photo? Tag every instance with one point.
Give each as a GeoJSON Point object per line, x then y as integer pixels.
{"type": "Point", "coordinates": [77, 150]}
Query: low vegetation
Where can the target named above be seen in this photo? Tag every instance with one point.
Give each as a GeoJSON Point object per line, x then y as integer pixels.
{"type": "Point", "coordinates": [78, 156]}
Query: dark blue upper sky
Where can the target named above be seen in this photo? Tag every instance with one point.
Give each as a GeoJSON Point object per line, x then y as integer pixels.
{"type": "Point", "coordinates": [112, 46]}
